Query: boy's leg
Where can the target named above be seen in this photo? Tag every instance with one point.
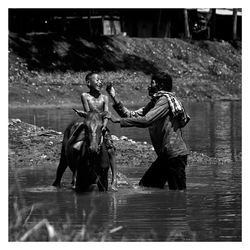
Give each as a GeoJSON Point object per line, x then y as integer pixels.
{"type": "Point", "coordinates": [109, 144]}
{"type": "Point", "coordinates": [112, 160]}
{"type": "Point", "coordinates": [177, 174]}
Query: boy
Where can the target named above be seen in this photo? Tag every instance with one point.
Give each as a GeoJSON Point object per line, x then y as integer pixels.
{"type": "Point", "coordinates": [95, 101]}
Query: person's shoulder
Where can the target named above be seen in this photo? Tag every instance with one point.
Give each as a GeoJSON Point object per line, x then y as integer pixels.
{"type": "Point", "coordinates": [162, 98]}
{"type": "Point", "coordinates": [161, 101]}
{"type": "Point", "coordinates": [105, 97]}
{"type": "Point", "coordinates": [85, 95]}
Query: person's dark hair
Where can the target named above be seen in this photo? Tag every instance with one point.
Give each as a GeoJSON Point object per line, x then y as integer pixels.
{"type": "Point", "coordinates": [164, 81]}
{"type": "Point", "coordinates": [89, 75]}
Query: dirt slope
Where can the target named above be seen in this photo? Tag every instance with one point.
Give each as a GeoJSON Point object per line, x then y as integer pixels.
{"type": "Point", "coordinates": [50, 69]}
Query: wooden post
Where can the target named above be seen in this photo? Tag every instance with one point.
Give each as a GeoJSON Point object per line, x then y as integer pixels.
{"type": "Point", "coordinates": [90, 24]}
{"type": "Point", "coordinates": [212, 24]}
{"type": "Point", "coordinates": [159, 23]}
{"type": "Point", "coordinates": [186, 27]}
{"type": "Point", "coordinates": [234, 24]}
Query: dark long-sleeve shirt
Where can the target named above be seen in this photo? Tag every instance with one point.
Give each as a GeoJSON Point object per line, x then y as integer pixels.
{"type": "Point", "coordinates": [164, 130]}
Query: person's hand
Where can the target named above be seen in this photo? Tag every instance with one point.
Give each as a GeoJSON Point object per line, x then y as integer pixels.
{"type": "Point", "coordinates": [115, 120]}
{"type": "Point", "coordinates": [110, 89]}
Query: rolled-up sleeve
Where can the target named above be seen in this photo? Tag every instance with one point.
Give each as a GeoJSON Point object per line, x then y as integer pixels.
{"type": "Point", "coordinates": [160, 109]}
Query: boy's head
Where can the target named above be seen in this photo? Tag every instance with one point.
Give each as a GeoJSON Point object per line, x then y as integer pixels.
{"type": "Point", "coordinates": [160, 81]}
{"type": "Point", "coordinates": [93, 81]}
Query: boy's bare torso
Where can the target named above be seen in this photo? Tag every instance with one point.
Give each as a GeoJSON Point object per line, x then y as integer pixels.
{"type": "Point", "coordinates": [91, 103]}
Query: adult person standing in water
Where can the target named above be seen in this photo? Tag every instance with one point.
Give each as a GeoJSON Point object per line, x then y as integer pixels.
{"type": "Point", "coordinates": [165, 116]}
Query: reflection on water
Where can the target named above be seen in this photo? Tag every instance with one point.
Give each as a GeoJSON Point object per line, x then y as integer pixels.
{"type": "Point", "coordinates": [215, 129]}
{"type": "Point", "coordinates": [210, 210]}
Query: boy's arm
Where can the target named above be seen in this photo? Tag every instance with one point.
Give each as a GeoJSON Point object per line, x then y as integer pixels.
{"type": "Point", "coordinates": [85, 102]}
{"type": "Point", "coordinates": [105, 109]}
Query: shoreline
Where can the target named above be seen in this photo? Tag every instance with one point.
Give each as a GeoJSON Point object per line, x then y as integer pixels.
{"type": "Point", "coordinates": [30, 144]}
{"type": "Point", "coordinates": [126, 103]}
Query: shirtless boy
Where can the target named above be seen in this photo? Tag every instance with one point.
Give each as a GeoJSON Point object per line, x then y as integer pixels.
{"type": "Point", "coordinates": [95, 101]}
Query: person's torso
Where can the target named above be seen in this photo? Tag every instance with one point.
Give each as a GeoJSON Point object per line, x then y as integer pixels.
{"type": "Point", "coordinates": [166, 136]}
{"type": "Point", "coordinates": [95, 104]}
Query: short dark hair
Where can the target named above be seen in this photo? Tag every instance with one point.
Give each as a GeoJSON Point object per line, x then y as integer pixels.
{"type": "Point", "coordinates": [164, 81]}
{"type": "Point", "coordinates": [89, 75]}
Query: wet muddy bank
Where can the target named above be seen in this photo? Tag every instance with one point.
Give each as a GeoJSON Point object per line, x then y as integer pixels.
{"type": "Point", "coordinates": [32, 146]}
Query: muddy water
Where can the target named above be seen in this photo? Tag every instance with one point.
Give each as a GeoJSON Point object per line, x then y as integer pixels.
{"type": "Point", "coordinates": [210, 210]}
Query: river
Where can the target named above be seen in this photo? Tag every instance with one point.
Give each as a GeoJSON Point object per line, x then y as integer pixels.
{"type": "Point", "coordinates": [210, 209]}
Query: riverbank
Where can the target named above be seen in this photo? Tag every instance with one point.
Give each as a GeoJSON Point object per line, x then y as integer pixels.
{"type": "Point", "coordinates": [201, 70]}
{"type": "Point", "coordinates": [31, 146]}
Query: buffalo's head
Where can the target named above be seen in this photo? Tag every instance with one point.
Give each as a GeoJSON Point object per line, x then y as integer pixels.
{"type": "Point", "coordinates": [93, 124]}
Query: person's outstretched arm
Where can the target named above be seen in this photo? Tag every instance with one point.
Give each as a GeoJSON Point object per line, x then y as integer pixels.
{"type": "Point", "coordinates": [124, 112]}
{"type": "Point", "coordinates": [160, 110]}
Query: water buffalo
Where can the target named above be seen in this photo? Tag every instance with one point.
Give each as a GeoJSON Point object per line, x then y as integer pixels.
{"type": "Point", "coordinates": [90, 162]}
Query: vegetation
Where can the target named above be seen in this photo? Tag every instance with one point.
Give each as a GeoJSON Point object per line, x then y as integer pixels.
{"type": "Point", "coordinates": [201, 70]}
{"type": "Point", "coordinates": [20, 229]}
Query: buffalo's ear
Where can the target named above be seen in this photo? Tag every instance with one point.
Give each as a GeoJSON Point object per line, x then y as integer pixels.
{"type": "Point", "coordinates": [106, 114]}
{"type": "Point", "coordinates": [80, 113]}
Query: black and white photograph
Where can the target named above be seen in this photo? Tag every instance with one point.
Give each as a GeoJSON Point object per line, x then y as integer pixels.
{"type": "Point", "coordinates": [124, 124]}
